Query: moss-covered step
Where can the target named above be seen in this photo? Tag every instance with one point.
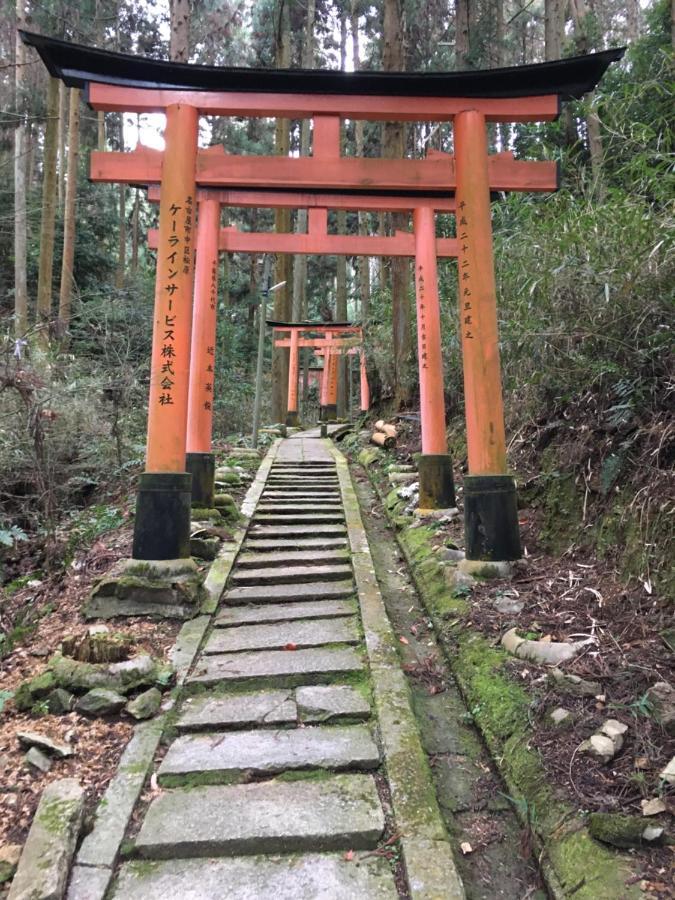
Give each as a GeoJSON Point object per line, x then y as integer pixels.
{"type": "Point", "coordinates": [263, 544]}
{"type": "Point", "coordinates": [280, 635]}
{"type": "Point", "coordinates": [248, 560]}
{"type": "Point", "coordinates": [317, 529]}
{"type": "Point", "coordinates": [290, 574]}
{"type": "Point", "coordinates": [277, 667]}
{"type": "Point", "coordinates": [278, 593]}
{"type": "Point", "coordinates": [284, 612]}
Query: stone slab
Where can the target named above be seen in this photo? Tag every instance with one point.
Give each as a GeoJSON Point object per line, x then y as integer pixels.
{"type": "Point", "coordinates": [300, 506]}
{"type": "Point", "coordinates": [431, 870]}
{"type": "Point", "coordinates": [307, 877]}
{"type": "Point", "coordinates": [183, 652]}
{"type": "Point", "coordinates": [89, 883]}
{"type": "Point", "coordinates": [276, 593]}
{"type": "Point", "coordinates": [277, 636]}
{"type": "Point", "coordinates": [263, 544]}
{"type": "Point", "coordinates": [45, 861]}
{"type": "Point", "coordinates": [283, 666]}
{"type": "Point", "coordinates": [298, 518]}
{"type": "Point", "coordinates": [321, 703]}
{"type": "Point", "coordinates": [219, 757]}
{"type": "Point", "coordinates": [205, 711]}
{"type": "Point", "coordinates": [321, 609]}
{"type": "Point", "coordinates": [342, 812]}
{"type": "Point", "coordinates": [296, 531]}
{"type": "Point", "coordinates": [249, 560]}
{"type": "Point", "coordinates": [288, 574]}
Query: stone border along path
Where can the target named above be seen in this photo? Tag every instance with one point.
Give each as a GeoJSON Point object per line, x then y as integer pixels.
{"type": "Point", "coordinates": [294, 714]}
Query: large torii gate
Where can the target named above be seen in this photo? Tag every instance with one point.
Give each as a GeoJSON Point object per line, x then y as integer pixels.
{"type": "Point", "coordinates": [117, 82]}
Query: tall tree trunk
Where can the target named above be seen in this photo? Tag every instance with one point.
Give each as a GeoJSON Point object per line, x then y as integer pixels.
{"type": "Point", "coordinates": [45, 272]}
{"type": "Point", "coordinates": [583, 45]}
{"type": "Point", "coordinates": [300, 261]}
{"type": "Point", "coordinates": [633, 19]}
{"type": "Point", "coordinates": [134, 231]}
{"type": "Point", "coordinates": [20, 170]}
{"type": "Point", "coordinates": [462, 36]}
{"type": "Point", "coordinates": [66, 292]}
{"type": "Point", "coordinates": [393, 59]}
{"type": "Point", "coordinates": [179, 41]}
{"type": "Point", "coordinates": [120, 272]}
{"type": "Point", "coordinates": [63, 126]}
{"type": "Point", "coordinates": [282, 223]}
{"type": "Point", "coordinates": [554, 28]}
{"type": "Point", "coordinates": [363, 261]}
{"type": "Point", "coordinates": [497, 56]}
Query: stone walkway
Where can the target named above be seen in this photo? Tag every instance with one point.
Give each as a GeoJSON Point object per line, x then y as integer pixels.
{"type": "Point", "coordinates": [275, 784]}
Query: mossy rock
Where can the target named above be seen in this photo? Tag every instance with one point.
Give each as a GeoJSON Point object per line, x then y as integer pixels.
{"type": "Point", "coordinates": [368, 456]}
{"type": "Point", "coordinates": [201, 514]}
{"type": "Point", "coordinates": [35, 689]}
{"type": "Point", "coordinates": [624, 831]}
{"type": "Point", "coordinates": [121, 677]}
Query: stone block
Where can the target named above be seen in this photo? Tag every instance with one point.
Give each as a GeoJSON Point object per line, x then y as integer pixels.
{"type": "Point", "coordinates": [285, 667]}
{"type": "Point", "coordinates": [280, 612]}
{"type": "Point", "coordinates": [146, 705]}
{"type": "Point", "coordinates": [100, 702]}
{"type": "Point", "coordinates": [206, 711]}
{"type": "Point", "coordinates": [322, 703]}
{"type": "Point", "coordinates": [291, 635]}
{"type": "Point", "coordinates": [275, 593]}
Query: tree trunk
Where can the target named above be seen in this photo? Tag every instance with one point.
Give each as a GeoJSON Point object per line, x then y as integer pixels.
{"type": "Point", "coordinates": [66, 292]}
{"type": "Point", "coordinates": [120, 272]}
{"type": "Point", "coordinates": [393, 59]}
{"type": "Point", "coordinates": [554, 28]}
{"type": "Point", "coordinates": [282, 223]}
{"type": "Point", "coordinates": [44, 293]}
{"type": "Point", "coordinates": [583, 45]}
{"type": "Point", "coordinates": [20, 170]}
{"type": "Point", "coordinates": [179, 42]}
{"type": "Point", "coordinates": [63, 125]}
{"type": "Point", "coordinates": [134, 231]}
{"type": "Point", "coordinates": [462, 36]}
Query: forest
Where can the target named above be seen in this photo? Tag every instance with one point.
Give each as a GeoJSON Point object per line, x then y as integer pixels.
{"type": "Point", "coordinates": [585, 279]}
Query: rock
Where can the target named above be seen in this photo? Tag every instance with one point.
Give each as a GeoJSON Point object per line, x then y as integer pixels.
{"type": "Point", "coordinates": [623, 831]}
{"type": "Point", "coordinates": [574, 685]}
{"type": "Point", "coordinates": [100, 702]}
{"type": "Point", "coordinates": [401, 467]}
{"type": "Point", "coordinates": [615, 731]}
{"type": "Point", "coordinates": [146, 705]}
{"type": "Point", "coordinates": [653, 807]}
{"type": "Point", "coordinates": [33, 739]}
{"type": "Point", "coordinates": [668, 774]}
{"type": "Point", "coordinates": [481, 568]}
{"type": "Point", "coordinates": [170, 588]}
{"type": "Point", "coordinates": [98, 629]}
{"type": "Point", "coordinates": [661, 698]}
{"type": "Point", "coordinates": [560, 716]}
{"type": "Point", "coordinates": [450, 554]}
{"type": "Point", "coordinates": [121, 677]}
{"type": "Point", "coordinates": [600, 746]}
{"type": "Point", "coordinates": [547, 653]}
{"type": "Point", "coordinates": [459, 582]}
{"type": "Point", "coordinates": [36, 759]}
{"type": "Point", "coordinates": [402, 477]}
{"type": "Point", "coordinates": [438, 515]}
{"type": "Point", "coordinates": [9, 859]}
{"type": "Point", "coordinates": [368, 456]}
{"type": "Point", "coordinates": [47, 854]}
{"type": "Point", "coordinates": [508, 606]}
{"type": "Point", "coordinates": [102, 646]}
{"type": "Point", "coordinates": [203, 514]}
{"type": "Point", "coordinates": [37, 688]}
{"type": "Point", "coordinates": [60, 702]}
{"type": "Point", "coordinates": [204, 547]}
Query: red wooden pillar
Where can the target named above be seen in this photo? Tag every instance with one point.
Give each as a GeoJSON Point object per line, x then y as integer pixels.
{"type": "Point", "coordinates": [292, 412]}
{"type": "Point", "coordinates": [365, 387]}
{"type": "Point", "coordinates": [435, 466]}
{"type": "Point", "coordinates": [162, 523]}
{"type": "Point", "coordinates": [490, 507]}
{"type": "Point", "coordinates": [330, 409]}
{"type": "Point", "coordinates": [200, 460]}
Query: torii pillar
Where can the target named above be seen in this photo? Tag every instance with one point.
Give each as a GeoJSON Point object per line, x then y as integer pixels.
{"type": "Point", "coordinates": [329, 383]}
{"type": "Point", "coordinates": [437, 489]}
{"type": "Point", "coordinates": [292, 407]}
{"type": "Point", "coordinates": [200, 461]}
{"type": "Point", "coordinates": [365, 387]}
{"type": "Point", "coordinates": [490, 506]}
{"type": "Point", "coordinates": [162, 523]}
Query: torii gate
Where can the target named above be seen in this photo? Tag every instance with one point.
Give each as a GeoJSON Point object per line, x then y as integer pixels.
{"type": "Point", "coordinates": [117, 82]}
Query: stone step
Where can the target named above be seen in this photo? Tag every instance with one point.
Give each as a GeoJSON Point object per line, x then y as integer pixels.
{"type": "Point", "coordinates": [319, 876]}
{"type": "Point", "coordinates": [298, 518]}
{"type": "Point", "coordinates": [288, 574]}
{"type": "Point", "coordinates": [278, 636]}
{"type": "Point", "coordinates": [284, 612]}
{"type": "Point", "coordinates": [338, 813]}
{"type": "Point", "coordinates": [217, 758]}
{"type": "Point", "coordinates": [297, 531]}
{"type": "Point", "coordinates": [303, 478]}
{"type": "Point", "coordinates": [301, 505]}
{"type": "Point", "coordinates": [282, 668]}
{"type": "Point", "coordinates": [305, 557]}
{"type": "Point", "coordinates": [306, 704]}
{"type": "Point", "coordinates": [301, 487]}
{"type": "Point", "coordinates": [286, 499]}
{"type": "Point", "coordinates": [275, 593]}
{"type": "Point", "coordinates": [263, 545]}
{"type": "Point", "coordinates": [303, 470]}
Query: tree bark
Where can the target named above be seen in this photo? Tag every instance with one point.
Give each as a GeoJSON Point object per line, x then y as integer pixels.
{"type": "Point", "coordinates": [20, 171]}
{"type": "Point", "coordinates": [63, 125]}
{"type": "Point", "coordinates": [46, 267]}
{"type": "Point", "coordinates": [134, 231]}
{"type": "Point", "coordinates": [393, 59]}
{"type": "Point", "coordinates": [282, 223]}
{"type": "Point", "coordinates": [554, 28]}
{"type": "Point", "coordinates": [179, 42]}
{"type": "Point", "coordinates": [66, 291]}
{"type": "Point", "coordinates": [462, 36]}
{"type": "Point", "coordinates": [582, 41]}
{"type": "Point", "coordinates": [120, 271]}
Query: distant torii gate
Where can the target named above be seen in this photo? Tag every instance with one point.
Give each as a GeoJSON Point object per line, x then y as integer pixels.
{"type": "Point", "coordinates": [118, 82]}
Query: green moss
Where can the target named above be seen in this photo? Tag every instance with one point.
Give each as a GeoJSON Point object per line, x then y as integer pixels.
{"type": "Point", "coordinates": [142, 868]}
{"type": "Point", "coordinates": [34, 690]}
{"type": "Point", "coordinates": [306, 775]}
{"type": "Point", "coordinates": [55, 815]}
{"type": "Point", "coordinates": [590, 871]}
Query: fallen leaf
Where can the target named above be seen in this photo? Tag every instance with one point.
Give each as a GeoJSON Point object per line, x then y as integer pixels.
{"type": "Point", "coordinates": [466, 847]}
{"type": "Point", "coordinates": [653, 807]}
{"type": "Point", "coordinates": [349, 856]}
{"type": "Point", "coordinates": [641, 762]}
{"type": "Point", "coordinates": [290, 646]}
{"type": "Point", "coordinates": [404, 640]}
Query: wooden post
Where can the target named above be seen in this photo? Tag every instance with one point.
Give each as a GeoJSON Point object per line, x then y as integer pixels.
{"type": "Point", "coordinates": [200, 461]}
{"type": "Point", "coordinates": [435, 467]}
{"type": "Point", "coordinates": [490, 509]}
{"type": "Point", "coordinates": [365, 387]}
{"type": "Point", "coordinates": [292, 412]}
{"type": "Point", "coordinates": [330, 409]}
{"type": "Point", "coordinates": [162, 524]}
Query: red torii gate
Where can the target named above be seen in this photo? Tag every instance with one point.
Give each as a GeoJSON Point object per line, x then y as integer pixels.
{"type": "Point", "coordinates": [471, 99]}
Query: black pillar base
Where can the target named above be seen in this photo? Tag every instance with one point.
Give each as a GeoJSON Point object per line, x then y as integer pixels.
{"type": "Point", "coordinates": [491, 518]}
{"type": "Point", "coordinates": [323, 430]}
{"type": "Point", "coordinates": [437, 487]}
{"type": "Point", "coordinates": [202, 467]}
{"type": "Point", "coordinates": [162, 525]}
{"type": "Point", "coordinates": [328, 412]}
{"type": "Point", "coordinates": [292, 417]}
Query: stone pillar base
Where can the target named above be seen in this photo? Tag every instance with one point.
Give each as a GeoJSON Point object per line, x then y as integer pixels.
{"type": "Point", "coordinates": [323, 430]}
{"type": "Point", "coordinates": [162, 526]}
{"type": "Point", "coordinates": [202, 467]}
{"type": "Point", "coordinates": [437, 487]}
{"type": "Point", "coordinates": [328, 413]}
{"type": "Point", "coordinates": [292, 418]}
{"type": "Point", "coordinates": [491, 518]}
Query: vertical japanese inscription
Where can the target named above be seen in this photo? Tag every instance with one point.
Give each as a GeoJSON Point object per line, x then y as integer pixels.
{"type": "Point", "coordinates": [466, 310]}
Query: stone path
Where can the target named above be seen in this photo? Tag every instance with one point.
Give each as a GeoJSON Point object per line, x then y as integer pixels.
{"type": "Point", "coordinates": [275, 784]}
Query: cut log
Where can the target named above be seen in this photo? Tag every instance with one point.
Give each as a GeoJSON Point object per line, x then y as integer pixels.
{"type": "Point", "coordinates": [382, 440]}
